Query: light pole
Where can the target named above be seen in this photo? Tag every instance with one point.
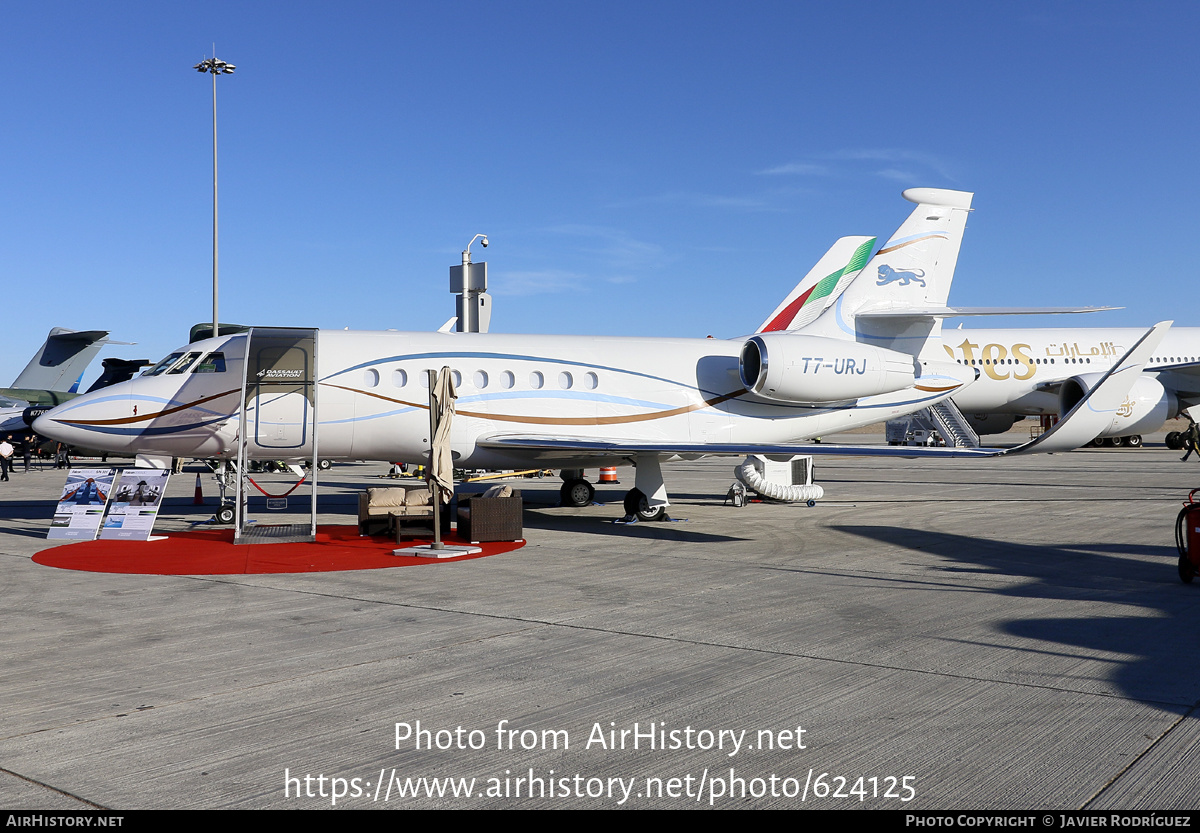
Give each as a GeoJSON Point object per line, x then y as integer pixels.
{"type": "Point", "coordinates": [216, 67]}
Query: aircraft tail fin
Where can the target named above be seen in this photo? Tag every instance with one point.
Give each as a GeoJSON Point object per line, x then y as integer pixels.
{"type": "Point", "coordinates": [62, 359]}
{"type": "Point", "coordinates": [911, 273]}
{"type": "Point", "coordinates": [823, 284]}
{"type": "Point", "coordinates": [118, 370]}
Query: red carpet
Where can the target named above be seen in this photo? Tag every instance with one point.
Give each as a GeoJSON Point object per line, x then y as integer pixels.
{"type": "Point", "coordinates": [211, 552]}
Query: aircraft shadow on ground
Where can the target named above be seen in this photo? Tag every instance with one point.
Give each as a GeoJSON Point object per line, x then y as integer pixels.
{"type": "Point", "coordinates": [676, 530]}
{"type": "Point", "coordinates": [1152, 641]}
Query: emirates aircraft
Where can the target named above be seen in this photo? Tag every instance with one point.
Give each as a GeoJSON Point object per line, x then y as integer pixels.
{"type": "Point", "coordinates": [871, 352]}
{"type": "Point", "coordinates": [1047, 371]}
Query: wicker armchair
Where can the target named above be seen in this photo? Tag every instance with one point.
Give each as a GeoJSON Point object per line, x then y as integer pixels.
{"type": "Point", "coordinates": [483, 518]}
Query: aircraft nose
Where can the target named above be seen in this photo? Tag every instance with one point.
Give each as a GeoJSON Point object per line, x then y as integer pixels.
{"type": "Point", "coordinates": [86, 422]}
{"type": "Point", "coordinates": [48, 425]}
{"type": "Point", "coordinates": [43, 426]}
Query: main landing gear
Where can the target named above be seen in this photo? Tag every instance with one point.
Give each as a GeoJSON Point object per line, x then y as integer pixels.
{"type": "Point", "coordinates": [1132, 441]}
{"type": "Point", "coordinates": [646, 501]}
{"type": "Point", "coordinates": [637, 505]}
{"type": "Point", "coordinates": [577, 492]}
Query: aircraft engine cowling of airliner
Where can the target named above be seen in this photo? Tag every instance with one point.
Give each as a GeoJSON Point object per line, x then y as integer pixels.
{"type": "Point", "coordinates": [798, 368]}
{"type": "Point", "coordinates": [991, 423]}
{"type": "Point", "coordinates": [1144, 410]}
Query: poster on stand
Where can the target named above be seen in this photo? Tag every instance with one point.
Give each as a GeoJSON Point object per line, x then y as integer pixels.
{"type": "Point", "coordinates": [81, 507]}
{"type": "Point", "coordinates": [136, 498]}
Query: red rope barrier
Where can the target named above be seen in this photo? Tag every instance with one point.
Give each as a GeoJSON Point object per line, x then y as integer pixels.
{"type": "Point", "coordinates": [285, 494]}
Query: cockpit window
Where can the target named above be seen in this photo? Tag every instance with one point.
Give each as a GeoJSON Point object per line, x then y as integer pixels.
{"type": "Point", "coordinates": [183, 366]}
{"type": "Point", "coordinates": [162, 366]}
{"type": "Point", "coordinates": [212, 363]}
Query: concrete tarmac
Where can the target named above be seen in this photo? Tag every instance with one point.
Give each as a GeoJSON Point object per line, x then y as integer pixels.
{"type": "Point", "coordinates": [958, 634]}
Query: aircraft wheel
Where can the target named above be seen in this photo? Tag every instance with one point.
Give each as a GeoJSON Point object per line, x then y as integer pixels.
{"type": "Point", "coordinates": [1173, 440]}
{"type": "Point", "coordinates": [1133, 441]}
{"type": "Point", "coordinates": [577, 493]}
{"type": "Point", "coordinates": [324, 465]}
{"type": "Point", "coordinates": [225, 515]}
{"type": "Point", "coordinates": [1097, 443]}
{"type": "Point", "coordinates": [812, 503]}
{"type": "Point", "coordinates": [1187, 571]}
{"type": "Point", "coordinates": [1112, 442]}
{"type": "Point", "coordinates": [638, 506]}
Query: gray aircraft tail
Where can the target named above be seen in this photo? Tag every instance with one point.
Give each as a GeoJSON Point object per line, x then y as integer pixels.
{"type": "Point", "coordinates": [60, 363]}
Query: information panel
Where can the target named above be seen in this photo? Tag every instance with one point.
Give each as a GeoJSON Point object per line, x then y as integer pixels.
{"type": "Point", "coordinates": [81, 507]}
{"type": "Point", "coordinates": [136, 499]}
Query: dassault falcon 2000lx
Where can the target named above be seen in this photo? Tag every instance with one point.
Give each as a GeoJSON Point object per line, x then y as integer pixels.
{"type": "Point", "coordinates": [576, 402]}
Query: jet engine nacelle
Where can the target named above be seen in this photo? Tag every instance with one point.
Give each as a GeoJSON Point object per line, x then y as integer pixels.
{"type": "Point", "coordinates": [991, 423]}
{"type": "Point", "coordinates": [800, 368]}
{"type": "Point", "coordinates": [1144, 410]}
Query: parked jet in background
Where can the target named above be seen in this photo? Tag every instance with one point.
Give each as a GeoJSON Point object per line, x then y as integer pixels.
{"type": "Point", "coordinates": [1023, 371]}
{"type": "Point", "coordinates": [573, 402]}
{"type": "Point", "coordinates": [54, 373]}
{"type": "Point", "coordinates": [1046, 371]}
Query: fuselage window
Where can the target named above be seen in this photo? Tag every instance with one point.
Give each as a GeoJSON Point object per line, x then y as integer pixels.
{"type": "Point", "coordinates": [184, 365]}
{"type": "Point", "coordinates": [507, 379]}
{"type": "Point", "coordinates": [590, 381]}
{"type": "Point", "coordinates": [481, 379]}
{"type": "Point", "coordinates": [536, 380]}
{"type": "Point", "coordinates": [163, 365]}
{"type": "Point", "coordinates": [399, 378]}
{"type": "Point", "coordinates": [212, 363]}
{"type": "Point", "coordinates": [371, 377]}
{"type": "Point", "coordinates": [565, 381]}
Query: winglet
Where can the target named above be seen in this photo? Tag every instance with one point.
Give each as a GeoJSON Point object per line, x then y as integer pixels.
{"type": "Point", "coordinates": [1094, 412]}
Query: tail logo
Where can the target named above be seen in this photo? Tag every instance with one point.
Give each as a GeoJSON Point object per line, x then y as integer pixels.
{"type": "Point", "coordinates": [905, 276]}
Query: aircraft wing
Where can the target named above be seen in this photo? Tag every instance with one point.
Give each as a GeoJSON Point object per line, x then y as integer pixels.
{"type": "Point", "coordinates": [1079, 426]}
{"type": "Point", "coordinates": [1094, 412]}
{"type": "Point", "coordinates": [1183, 378]}
{"type": "Point", "coordinates": [548, 449]}
{"type": "Point", "coordinates": [957, 312]}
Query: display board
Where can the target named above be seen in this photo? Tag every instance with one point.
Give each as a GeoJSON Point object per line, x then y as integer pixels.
{"type": "Point", "coordinates": [136, 499]}
{"type": "Point", "coordinates": [81, 507]}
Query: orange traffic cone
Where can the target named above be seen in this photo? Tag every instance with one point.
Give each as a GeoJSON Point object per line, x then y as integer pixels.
{"type": "Point", "coordinates": [198, 500]}
{"type": "Point", "coordinates": [608, 475]}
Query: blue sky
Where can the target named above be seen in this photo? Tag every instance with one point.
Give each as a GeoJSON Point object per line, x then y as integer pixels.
{"type": "Point", "coordinates": [651, 169]}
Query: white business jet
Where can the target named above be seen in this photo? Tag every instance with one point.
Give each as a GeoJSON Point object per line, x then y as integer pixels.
{"type": "Point", "coordinates": [575, 402]}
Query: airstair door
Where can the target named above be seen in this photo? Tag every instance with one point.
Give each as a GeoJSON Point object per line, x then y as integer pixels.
{"type": "Point", "coordinates": [280, 392]}
{"type": "Point", "coordinates": [279, 421]}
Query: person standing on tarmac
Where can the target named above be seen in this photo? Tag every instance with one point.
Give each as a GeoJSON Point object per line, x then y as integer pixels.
{"type": "Point", "coordinates": [1190, 437]}
{"type": "Point", "coordinates": [6, 455]}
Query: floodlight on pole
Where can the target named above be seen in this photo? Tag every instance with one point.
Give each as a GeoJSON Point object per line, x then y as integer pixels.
{"type": "Point", "coordinates": [469, 282]}
{"type": "Point", "coordinates": [216, 67]}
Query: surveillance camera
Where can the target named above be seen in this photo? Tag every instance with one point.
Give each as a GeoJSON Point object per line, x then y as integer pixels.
{"type": "Point", "coordinates": [484, 242]}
